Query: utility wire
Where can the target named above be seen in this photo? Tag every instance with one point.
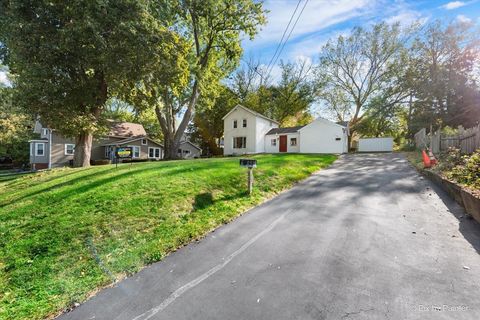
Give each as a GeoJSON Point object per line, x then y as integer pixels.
{"type": "Point", "coordinates": [288, 37]}
{"type": "Point", "coordinates": [284, 33]}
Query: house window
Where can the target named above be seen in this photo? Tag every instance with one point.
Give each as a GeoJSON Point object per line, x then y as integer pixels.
{"type": "Point", "coordinates": [338, 139]}
{"type": "Point", "coordinates": [293, 141]}
{"type": "Point", "coordinates": [40, 149]}
{"type": "Point", "coordinates": [234, 124]}
{"type": "Point", "coordinates": [179, 151]}
{"type": "Point", "coordinates": [136, 151]}
{"type": "Point", "coordinates": [69, 149]}
{"type": "Point", "coordinates": [244, 124]}
{"type": "Point", "coordinates": [144, 142]}
{"type": "Point", "coordinates": [274, 142]}
{"type": "Point", "coordinates": [186, 151]}
{"type": "Point", "coordinates": [239, 142]}
{"type": "Point", "coordinates": [44, 131]}
{"type": "Point", "coordinates": [154, 152]}
{"type": "Point", "coordinates": [108, 152]}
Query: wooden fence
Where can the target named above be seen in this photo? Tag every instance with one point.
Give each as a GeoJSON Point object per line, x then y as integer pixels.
{"type": "Point", "coordinates": [467, 140]}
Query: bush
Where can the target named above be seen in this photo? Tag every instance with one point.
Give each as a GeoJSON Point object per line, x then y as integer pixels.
{"type": "Point", "coordinates": [101, 162]}
{"type": "Point", "coordinates": [467, 172]}
{"type": "Point", "coordinates": [449, 159]}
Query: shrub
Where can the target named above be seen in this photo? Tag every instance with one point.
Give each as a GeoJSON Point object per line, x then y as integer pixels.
{"type": "Point", "coordinates": [449, 159]}
{"type": "Point", "coordinates": [467, 172]}
{"type": "Point", "coordinates": [101, 162]}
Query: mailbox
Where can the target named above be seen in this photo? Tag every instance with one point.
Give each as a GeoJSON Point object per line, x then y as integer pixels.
{"type": "Point", "coordinates": [249, 163]}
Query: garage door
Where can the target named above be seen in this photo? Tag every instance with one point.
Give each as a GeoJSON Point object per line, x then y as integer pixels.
{"type": "Point", "coordinates": [375, 144]}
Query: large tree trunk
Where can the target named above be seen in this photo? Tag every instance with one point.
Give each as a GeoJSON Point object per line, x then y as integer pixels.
{"type": "Point", "coordinates": [84, 141]}
{"type": "Point", "coordinates": [166, 117]}
{"type": "Point", "coordinates": [83, 150]}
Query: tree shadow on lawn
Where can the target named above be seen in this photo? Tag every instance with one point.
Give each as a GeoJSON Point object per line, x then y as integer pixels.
{"type": "Point", "coordinates": [205, 199]}
{"type": "Point", "coordinates": [13, 183]}
{"type": "Point", "coordinates": [76, 190]}
{"type": "Point", "coordinates": [55, 186]}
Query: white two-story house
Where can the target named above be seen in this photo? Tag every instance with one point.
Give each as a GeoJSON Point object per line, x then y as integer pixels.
{"type": "Point", "coordinates": [249, 132]}
{"type": "Point", "coordinates": [245, 130]}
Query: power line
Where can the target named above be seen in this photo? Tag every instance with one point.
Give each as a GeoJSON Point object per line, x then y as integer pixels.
{"type": "Point", "coordinates": [283, 35]}
{"type": "Point", "coordinates": [288, 37]}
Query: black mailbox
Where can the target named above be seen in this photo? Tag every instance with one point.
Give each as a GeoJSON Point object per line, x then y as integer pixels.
{"type": "Point", "coordinates": [249, 163]}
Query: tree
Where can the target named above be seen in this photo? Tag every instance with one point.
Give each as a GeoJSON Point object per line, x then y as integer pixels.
{"type": "Point", "coordinates": [207, 127]}
{"type": "Point", "coordinates": [15, 128]}
{"type": "Point", "coordinates": [287, 101]}
{"type": "Point", "coordinates": [214, 29]}
{"type": "Point", "coordinates": [360, 67]}
{"type": "Point", "coordinates": [70, 57]}
{"type": "Point", "coordinates": [294, 94]}
{"type": "Point", "coordinates": [118, 110]}
{"type": "Point", "coordinates": [442, 61]}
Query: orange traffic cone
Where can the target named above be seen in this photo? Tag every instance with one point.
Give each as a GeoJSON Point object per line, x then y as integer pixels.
{"type": "Point", "coordinates": [426, 160]}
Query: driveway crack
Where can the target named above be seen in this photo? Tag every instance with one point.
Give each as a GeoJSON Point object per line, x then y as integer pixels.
{"type": "Point", "coordinates": [348, 314]}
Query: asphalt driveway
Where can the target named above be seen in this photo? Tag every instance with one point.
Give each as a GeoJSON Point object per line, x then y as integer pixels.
{"type": "Point", "coordinates": [367, 238]}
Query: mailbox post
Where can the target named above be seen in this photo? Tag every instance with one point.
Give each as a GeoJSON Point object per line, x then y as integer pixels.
{"type": "Point", "coordinates": [250, 164]}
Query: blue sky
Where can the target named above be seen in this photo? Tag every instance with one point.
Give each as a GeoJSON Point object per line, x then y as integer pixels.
{"type": "Point", "coordinates": [324, 19]}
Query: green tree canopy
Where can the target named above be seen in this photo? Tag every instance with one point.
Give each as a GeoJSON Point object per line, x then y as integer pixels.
{"type": "Point", "coordinates": [213, 28]}
{"type": "Point", "coordinates": [70, 57]}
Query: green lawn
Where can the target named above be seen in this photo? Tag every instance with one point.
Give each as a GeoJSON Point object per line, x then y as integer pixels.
{"type": "Point", "coordinates": [67, 232]}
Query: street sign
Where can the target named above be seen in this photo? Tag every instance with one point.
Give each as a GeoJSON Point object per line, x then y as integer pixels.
{"type": "Point", "coordinates": [249, 163]}
{"type": "Point", "coordinates": [124, 152]}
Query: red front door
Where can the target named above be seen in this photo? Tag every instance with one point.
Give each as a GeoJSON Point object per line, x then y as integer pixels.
{"type": "Point", "coordinates": [283, 144]}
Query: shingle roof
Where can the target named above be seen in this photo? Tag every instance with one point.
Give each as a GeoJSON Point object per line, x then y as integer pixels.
{"type": "Point", "coordinates": [128, 140]}
{"type": "Point", "coordinates": [126, 129]}
{"type": "Point", "coordinates": [284, 130]}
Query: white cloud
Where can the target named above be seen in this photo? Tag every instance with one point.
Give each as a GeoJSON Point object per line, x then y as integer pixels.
{"type": "Point", "coordinates": [463, 19]}
{"type": "Point", "coordinates": [405, 18]}
{"type": "Point", "coordinates": [311, 46]}
{"type": "Point", "coordinates": [453, 5]}
{"type": "Point", "coordinates": [317, 15]}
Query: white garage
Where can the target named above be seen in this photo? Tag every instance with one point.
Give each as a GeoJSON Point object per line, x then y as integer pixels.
{"type": "Point", "coordinates": [375, 144]}
{"type": "Point", "coordinates": [323, 136]}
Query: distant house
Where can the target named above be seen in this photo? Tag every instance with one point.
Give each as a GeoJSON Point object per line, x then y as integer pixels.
{"type": "Point", "coordinates": [53, 150]}
{"type": "Point", "coordinates": [248, 132]}
{"type": "Point", "coordinates": [189, 150]}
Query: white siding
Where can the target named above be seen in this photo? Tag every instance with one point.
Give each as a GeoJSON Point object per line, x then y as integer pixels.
{"type": "Point", "coordinates": [276, 149]}
{"type": "Point", "coordinates": [321, 136]}
{"type": "Point", "coordinates": [261, 128]}
{"type": "Point", "coordinates": [254, 132]}
{"type": "Point", "coordinates": [375, 144]}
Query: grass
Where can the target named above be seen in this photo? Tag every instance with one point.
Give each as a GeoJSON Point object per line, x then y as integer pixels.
{"type": "Point", "coordinates": [67, 232]}
{"type": "Point", "coordinates": [415, 158]}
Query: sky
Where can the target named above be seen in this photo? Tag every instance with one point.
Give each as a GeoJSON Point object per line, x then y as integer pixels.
{"type": "Point", "coordinates": [325, 19]}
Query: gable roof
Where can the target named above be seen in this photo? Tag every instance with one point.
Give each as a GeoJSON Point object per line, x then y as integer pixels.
{"type": "Point", "coordinates": [191, 143]}
{"type": "Point", "coordinates": [251, 111]}
{"type": "Point", "coordinates": [325, 121]}
{"type": "Point", "coordinates": [126, 129]}
{"type": "Point", "coordinates": [284, 130]}
{"type": "Point", "coordinates": [127, 140]}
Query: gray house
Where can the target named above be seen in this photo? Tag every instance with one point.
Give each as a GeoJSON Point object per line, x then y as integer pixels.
{"type": "Point", "coordinates": [53, 150]}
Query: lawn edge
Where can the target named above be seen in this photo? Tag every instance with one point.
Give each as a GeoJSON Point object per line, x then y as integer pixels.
{"type": "Point", "coordinates": [93, 293]}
